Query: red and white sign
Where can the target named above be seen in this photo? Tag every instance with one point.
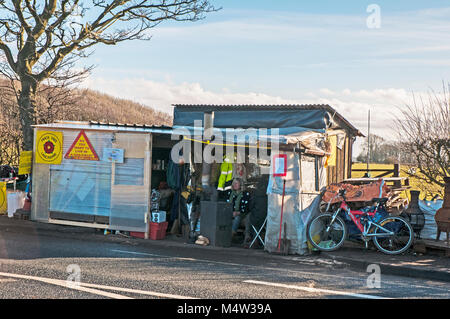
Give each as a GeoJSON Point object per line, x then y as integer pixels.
{"type": "Point", "coordinates": [279, 164]}
{"type": "Point", "coordinates": [82, 149]}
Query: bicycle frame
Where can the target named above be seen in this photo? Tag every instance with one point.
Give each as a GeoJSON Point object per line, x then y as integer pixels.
{"type": "Point", "coordinates": [364, 229]}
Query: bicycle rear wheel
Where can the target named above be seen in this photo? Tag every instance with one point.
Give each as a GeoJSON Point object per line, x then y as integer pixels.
{"type": "Point", "coordinates": [324, 235]}
{"type": "Point", "coordinates": [397, 243]}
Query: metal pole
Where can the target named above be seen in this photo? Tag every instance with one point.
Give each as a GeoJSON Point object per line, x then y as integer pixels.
{"type": "Point", "coordinates": [368, 141]}
{"type": "Point", "coordinates": [149, 160]}
{"type": "Point", "coordinates": [281, 216]}
{"type": "Point", "coordinates": [208, 120]}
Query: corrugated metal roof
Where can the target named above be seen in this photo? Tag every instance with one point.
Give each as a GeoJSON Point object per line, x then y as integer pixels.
{"type": "Point", "coordinates": [103, 126]}
{"type": "Point", "coordinates": [241, 107]}
{"type": "Point", "coordinates": [129, 125]}
{"type": "Point", "coordinates": [236, 107]}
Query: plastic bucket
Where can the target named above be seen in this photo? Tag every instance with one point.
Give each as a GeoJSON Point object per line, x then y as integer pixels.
{"type": "Point", "coordinates": [158, 230]}
{"type": "Point", "coordinates": [15, 201]}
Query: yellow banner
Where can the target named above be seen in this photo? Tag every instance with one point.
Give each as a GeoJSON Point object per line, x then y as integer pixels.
{"type": "Point", "coordinates": [3, 203]}
{"type": "Point", "coordinates": [49, 147]}
{"type": "Point", "coordinates": [331, 160]}
{"type": "Point", "coordinates": [25, 161]}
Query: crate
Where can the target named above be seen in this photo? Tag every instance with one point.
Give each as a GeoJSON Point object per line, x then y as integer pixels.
{"type": "Point", "coordinates": [158, 230]}
{"type": "Point", "coordinates": [137, 234]}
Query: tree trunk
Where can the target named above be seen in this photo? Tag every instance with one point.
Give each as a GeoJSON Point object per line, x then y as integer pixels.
{"type": "Point", "coordinates": [27, 104]}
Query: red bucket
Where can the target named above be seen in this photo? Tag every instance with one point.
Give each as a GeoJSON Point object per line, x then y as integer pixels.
{"type": "Point", "coordinates": [27, 205]}
{"type": "Point", "coordinates": [158, 230]}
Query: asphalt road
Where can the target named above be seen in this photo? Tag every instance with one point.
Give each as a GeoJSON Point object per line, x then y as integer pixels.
{"type": "Point", "coordinates": [55, 264]}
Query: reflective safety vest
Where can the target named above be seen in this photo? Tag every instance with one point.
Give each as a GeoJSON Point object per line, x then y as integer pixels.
{"type": "Point", "coordinates": [226, 175]}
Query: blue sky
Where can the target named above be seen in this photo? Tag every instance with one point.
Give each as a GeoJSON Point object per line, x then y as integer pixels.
{"type": "Point", "coordinates": [330, 6]}
{"type": "Point", "coordinates": [286, 51]}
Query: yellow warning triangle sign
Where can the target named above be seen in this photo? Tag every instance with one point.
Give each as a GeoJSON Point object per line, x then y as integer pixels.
{"type": "Point", "coordinates": [82, 149]}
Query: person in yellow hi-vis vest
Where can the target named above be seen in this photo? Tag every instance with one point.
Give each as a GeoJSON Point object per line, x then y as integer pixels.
{"type": "Point", "coordinates": [226, 174]}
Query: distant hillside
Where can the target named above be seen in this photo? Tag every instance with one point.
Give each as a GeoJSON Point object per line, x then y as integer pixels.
{"type": "Point", "coordinates": [53, 104]}
{"type": "Point", "coordinates": [96, 106]}
{"type": "Point", "coordinates": [81, 105]}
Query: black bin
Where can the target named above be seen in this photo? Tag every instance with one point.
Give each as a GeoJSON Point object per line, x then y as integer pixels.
{"type": "Point", "coordinates": [215, 222]}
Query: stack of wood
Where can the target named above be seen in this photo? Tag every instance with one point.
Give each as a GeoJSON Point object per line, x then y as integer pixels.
{"type": "Point", "coordinates": [396, 204]}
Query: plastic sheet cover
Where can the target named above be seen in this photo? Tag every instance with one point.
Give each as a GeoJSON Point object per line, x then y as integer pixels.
{"type": "Point", "coordinates": [290, 135]}
{"type": "Point", "coordinates": [429, 209]}
{"type": "Point", "coordinates": [130, 191]}
{"type": "Point", "coordinates": [311, 119]}
{"type": "Point", "coordinates": [298, 209]}
{"type": "Point", "coordinates": [79, 186]}
{"type": "Point", "coordinates": [129, 202]}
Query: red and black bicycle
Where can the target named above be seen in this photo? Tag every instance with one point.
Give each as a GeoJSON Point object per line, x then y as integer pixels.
{"type": "Point", "coordinates": [390, 234]}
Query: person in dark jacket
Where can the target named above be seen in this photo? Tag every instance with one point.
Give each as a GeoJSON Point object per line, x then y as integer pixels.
{"type": "Point", "coordinates": [240, 201]}
{"type": "Point", "coordinates": [177, 179]}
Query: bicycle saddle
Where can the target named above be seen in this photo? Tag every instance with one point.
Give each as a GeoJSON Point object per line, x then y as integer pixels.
{"type": "Point", "coordinates": [380, 200]}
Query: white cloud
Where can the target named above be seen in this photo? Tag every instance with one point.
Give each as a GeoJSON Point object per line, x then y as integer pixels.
{"type": "Point", "coordinates": [330, 44]}
{"type": "Point", "coordinates": [352, 104]}
{"type": "Point", "coordinates": [326, 92]}
{"type": "Point", "coordinates": [161, 95]}
{"type": "Point", "coordinates": [384, 104]}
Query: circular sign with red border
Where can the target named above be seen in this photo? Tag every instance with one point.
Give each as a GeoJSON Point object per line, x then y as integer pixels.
{"type": "Point", "coordinates": [49, 147]}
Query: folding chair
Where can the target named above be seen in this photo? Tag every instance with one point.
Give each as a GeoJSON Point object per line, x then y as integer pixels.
{"type": "Point", "coordinates": [257, 234]}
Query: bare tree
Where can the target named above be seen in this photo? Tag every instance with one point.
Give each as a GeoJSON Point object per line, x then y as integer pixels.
{"type": "Point", "coordinates": [52, 102]}
{"type": "Point", "coordinates": [376, 156]}
{"type": "Point", "coordinates": [424, 132]}
{"type": "Point", "coordinates": [10, 137]}
{"type": "Point", "coordinates": [42, 40]}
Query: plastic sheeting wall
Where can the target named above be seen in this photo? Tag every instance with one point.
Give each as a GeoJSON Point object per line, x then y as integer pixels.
{"type": "Point", "coordinates": [79, 186]}
{"type": "Point", "coordinates": [130, 190]}
{"type": "Point", "coordinates": [300, 203]}
{"type": "Point", "coordinates": [77, 189]}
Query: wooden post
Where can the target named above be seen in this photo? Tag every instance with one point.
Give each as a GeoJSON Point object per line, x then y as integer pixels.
{"type": "Point", "coordinates": [368, 144]}
{"type": "Point", "coordinates": [397, 184]}
{"type": "Point", "coordinates": [148, 168]}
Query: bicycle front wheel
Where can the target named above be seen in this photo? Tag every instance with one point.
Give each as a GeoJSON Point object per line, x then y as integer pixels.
{"type": "Point", "coordinates": [325, 234]}
{"type": "Point", "coordinates": [399, 241]}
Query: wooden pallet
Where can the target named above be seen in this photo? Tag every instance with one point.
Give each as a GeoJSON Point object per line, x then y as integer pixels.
{"type": "Point", "coordinates": [396, 206]}
{"type": "Point", "coordinates": [428, 246]}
